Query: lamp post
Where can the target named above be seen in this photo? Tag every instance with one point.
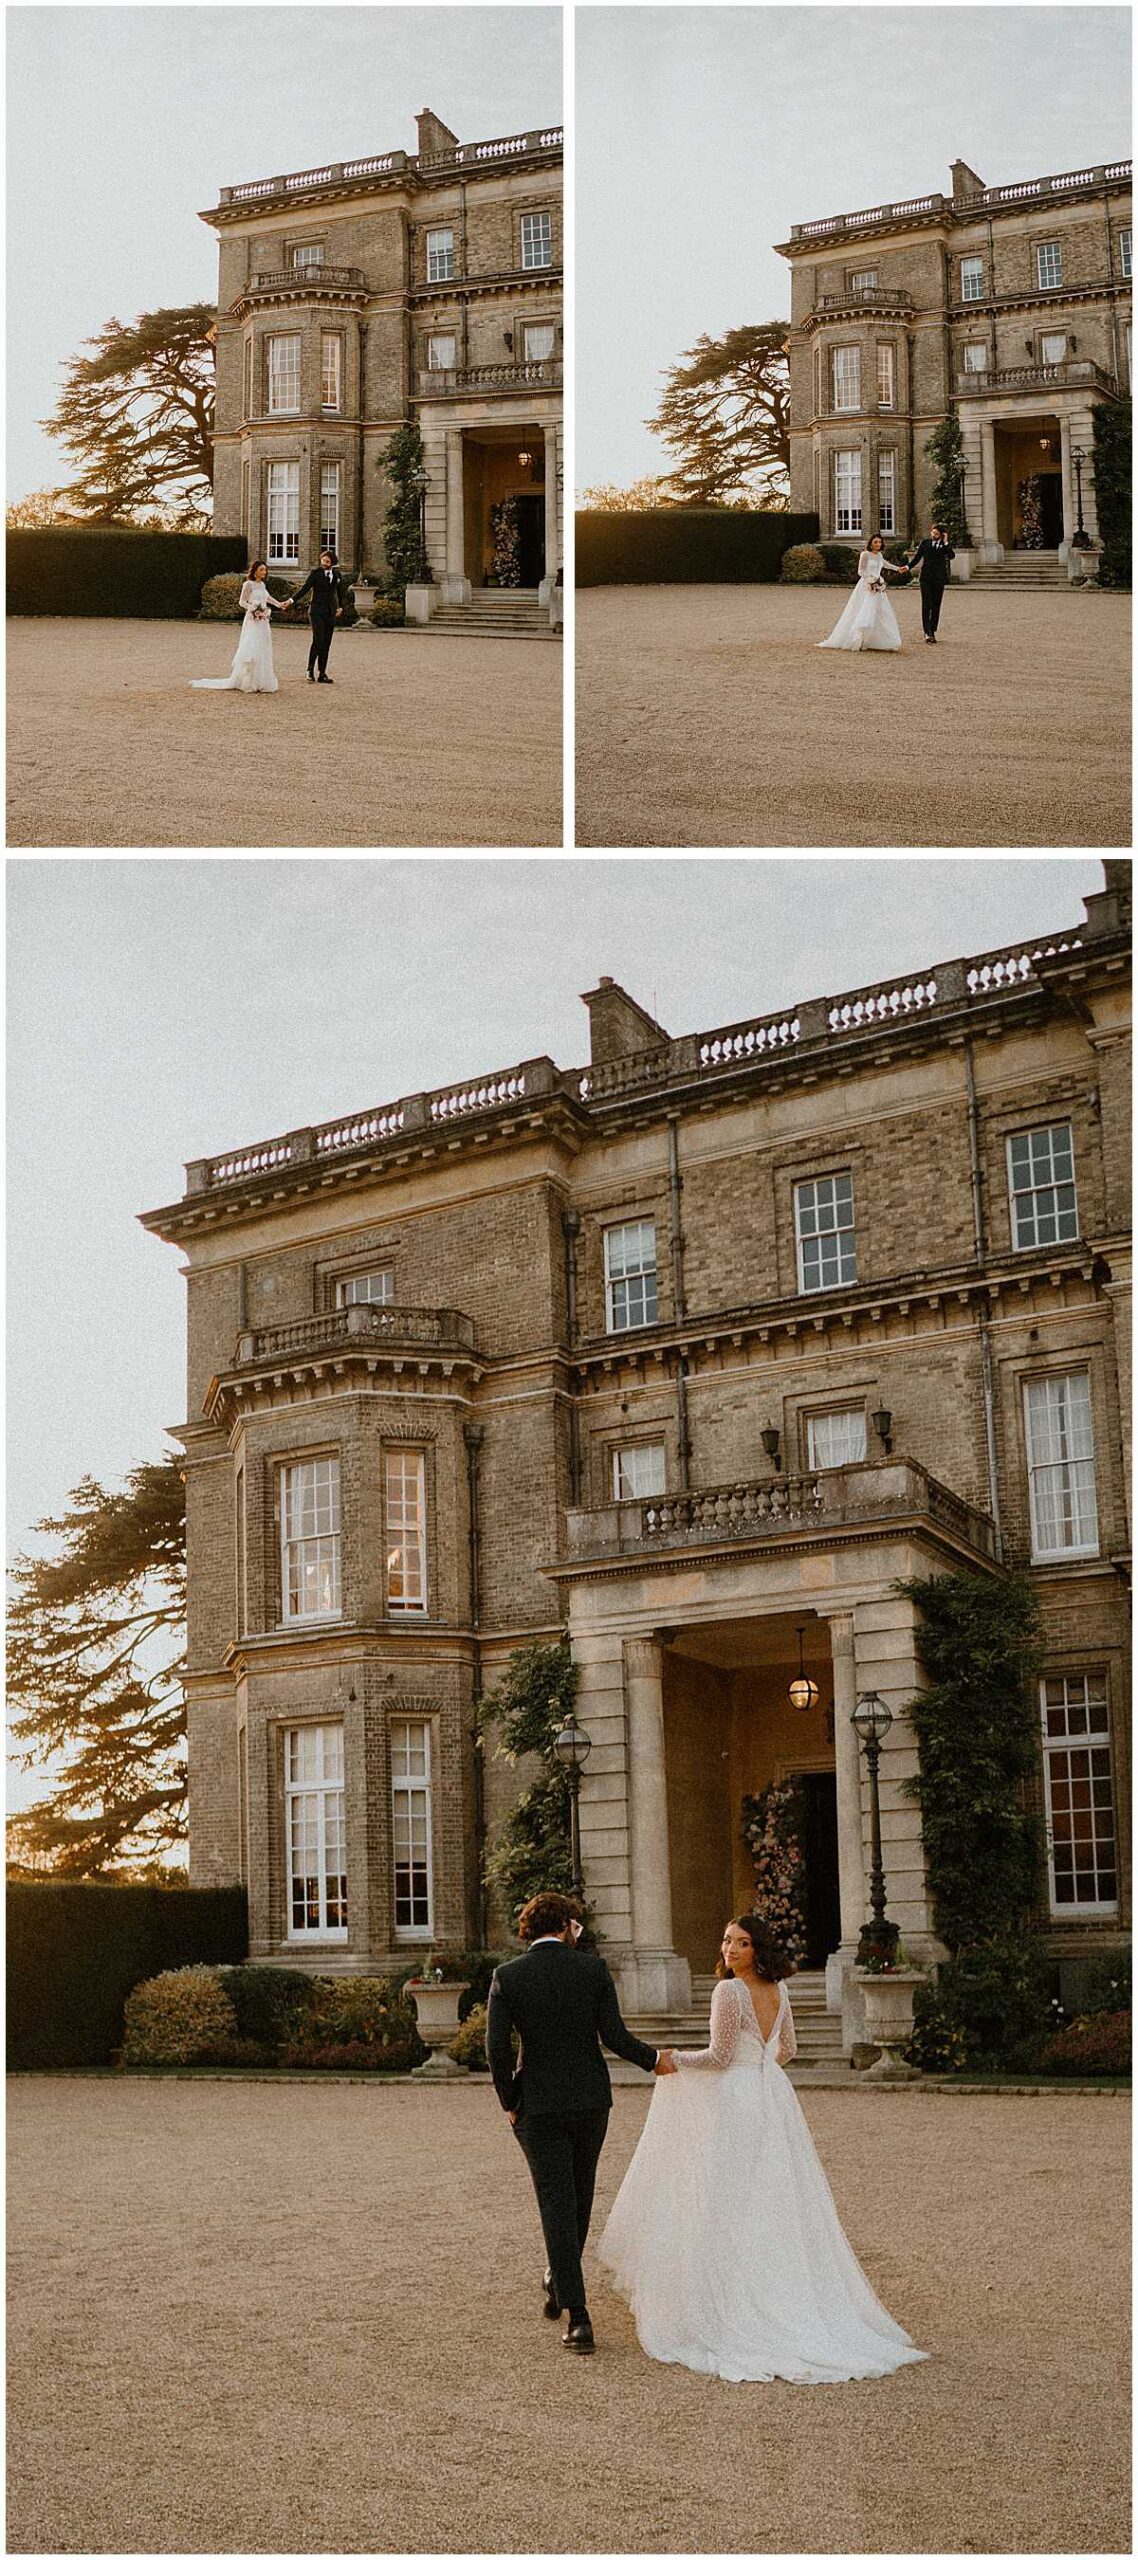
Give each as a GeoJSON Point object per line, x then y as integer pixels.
{"type": "Point", "coordinates": [572, 1746]}
{"type": "Point", "coordinates": [871, 1720]}
{"type": "Point", "coordinates": [962, 502]}
{"type": "Point", "coordinates": [1080, 539]}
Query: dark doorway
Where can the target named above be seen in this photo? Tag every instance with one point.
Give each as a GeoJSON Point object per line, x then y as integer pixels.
{"type": "Point", "coordinates": [1051, 509]}
{"type": "Point", "coordinates": [531, 539]}
{"type": "Point", "coordinates": [820, 1850]}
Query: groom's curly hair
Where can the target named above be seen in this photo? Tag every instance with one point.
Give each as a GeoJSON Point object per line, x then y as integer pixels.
{"type": "Point", "coordinates": [770, 1961]}
{"type": "Point", "coordinates": [547, 1915]}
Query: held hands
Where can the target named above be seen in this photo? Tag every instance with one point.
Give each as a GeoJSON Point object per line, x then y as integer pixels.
{"type": "Point", "coordinates": [664, 2065]}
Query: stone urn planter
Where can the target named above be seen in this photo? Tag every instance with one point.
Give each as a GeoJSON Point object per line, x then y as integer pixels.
{"type": "Point", "coordinates": [436, 2009]}
{"type": "Point", "coordinates": [887, 2007]}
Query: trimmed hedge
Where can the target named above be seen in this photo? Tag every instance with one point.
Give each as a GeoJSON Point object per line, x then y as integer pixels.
{"type": "Point", "coordinates": [76, 1951]}
{"type": "Point", "coordinates": [97, 570]}
{"type": "Point", "coordinates": [1111, 471]}
{"type": "Point", "coordinates": [686, 545]}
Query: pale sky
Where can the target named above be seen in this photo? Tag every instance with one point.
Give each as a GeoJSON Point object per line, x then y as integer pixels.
{"type": "Point", "coordinates": [705, 133]}
{"type": "Point", "coordinates": [124, 123]}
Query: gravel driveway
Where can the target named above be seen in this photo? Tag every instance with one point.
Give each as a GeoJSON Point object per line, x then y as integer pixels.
{"type": "Point", "coordinates": [708, 715]}
{"type": "Point", "coordinates": [257, 2318]}
{"type": "Point", "coordinates": [419, 740]}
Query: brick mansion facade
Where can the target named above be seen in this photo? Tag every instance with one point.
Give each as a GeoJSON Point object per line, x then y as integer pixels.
{"type": "Point", "coordinates": [358, 296]}
{"type": "Point", "coordinates": [697, 1352]}
{"type": "Point", "coordinates": [1009, 307]}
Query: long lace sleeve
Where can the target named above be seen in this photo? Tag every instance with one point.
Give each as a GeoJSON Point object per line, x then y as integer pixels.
{"type": "Point", "coordinates": [725, 2024]}
{"type": "Point", "coordinates": [246, 596]}
{"type": "Point", "coordinates": [787, 2045]}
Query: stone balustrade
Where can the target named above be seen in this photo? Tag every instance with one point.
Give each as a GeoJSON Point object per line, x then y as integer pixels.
{"type": "Point", "coordinates": [340, 1328]}
{"type": "Point", "coordinates": [385, 164]}
{"type": "Point", "coordinates": [986, 199]}
{"type": "Point", "coordinates": [1076, 373]}
{"type": "Point", "coordinates": [880, 297]}
{"type": "Point", "coordinates": [301, 279]}
{"type": "Point", "coordinates": [447, 381]}
{"type": "Point", "coordinates": [699, 1057]}
{"type": "Point", "coordinates": [775, 1507]}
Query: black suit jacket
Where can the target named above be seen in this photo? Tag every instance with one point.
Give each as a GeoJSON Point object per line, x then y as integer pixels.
{"type": "Point", "coordinates": [564, 2006]}
{"type": "Point", "coordinates": [934, 562]}
{"type": "Point", "coordinates": [327, 592]}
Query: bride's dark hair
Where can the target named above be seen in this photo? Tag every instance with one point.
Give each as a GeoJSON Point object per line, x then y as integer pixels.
{"type": "Point", "coordinates": [871, 538]}
{"type": "Point", "coordinates": [770, 1963]}
{"type": "Point", "coordinates": [254, 565]}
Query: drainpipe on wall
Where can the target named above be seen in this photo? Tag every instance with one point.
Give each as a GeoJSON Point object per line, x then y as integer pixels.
{"type": "Point", "coordinates": [242, 1299]}
{"type": "Point", "coordinates": [985, 1326]}
{"type": "Point", "coordinates": [675, 1188]}
{"type": "Point", "coordinates": [571, 1228]}
{"type": "Point", "coordinates": [474, 1435]}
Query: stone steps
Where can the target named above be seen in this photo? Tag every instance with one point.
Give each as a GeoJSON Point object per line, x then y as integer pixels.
{"type": "Point", "coordinates": [818, 2029]}
{"type": "Point", "coordinates": [511, 613]}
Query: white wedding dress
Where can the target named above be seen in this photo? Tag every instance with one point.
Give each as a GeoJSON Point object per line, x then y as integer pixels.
{"type": "Point", "coordinates": [252, 670]}
{"type": "Point", "coordinates": [725, 2238]}
{"type": "Point", "coordinates": [868, 621]}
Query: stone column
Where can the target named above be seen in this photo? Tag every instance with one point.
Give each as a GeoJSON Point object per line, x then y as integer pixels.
{"type": "Point", "coordinates": [552, 533]}
{"type": "Point", "coordinates": [847, 1767]}
{"type": "Point", "coordinates": [657, 1979]}
{"type": "Point", "coordinates": [455, 583]}
{"type": "Point", "coordinates": [1118, 1290]}
{"type": "Point", "coordinates": [990, 546]}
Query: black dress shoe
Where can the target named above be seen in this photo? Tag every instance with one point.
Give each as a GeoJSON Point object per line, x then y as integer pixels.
{"type": "Point", "coordinates": [550, 2304]}
{"type": "Point", "coordinates": [311, 677]}
{"type": "Point", "coordinates": [325, 679]}
{"type": "Point", "coordinates": [579, 2336]}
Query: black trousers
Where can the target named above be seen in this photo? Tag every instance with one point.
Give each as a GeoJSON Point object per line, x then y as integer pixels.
{"type": "Point", "coordinates": [932, 599]}
{"type": "Point", "coordinates": [322, 635]}
{"type": "Point", "coordinates": [562, 2152]}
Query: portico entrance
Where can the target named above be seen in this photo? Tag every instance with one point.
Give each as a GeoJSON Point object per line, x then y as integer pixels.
{"type": "Point", "coordinates": [729, 1733]}
{"type": "Point", "coordinates": [1029, 485]}
{"type": "Point", "coordinates": [504, 467]}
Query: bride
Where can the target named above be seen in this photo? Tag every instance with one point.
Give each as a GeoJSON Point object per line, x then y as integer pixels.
{"type": "Point", "coordinates": [868, 621]}
{"type": "Point", "coordinates": [252, 670]}
{"type": "Point", "coordinates": [724, 2237]}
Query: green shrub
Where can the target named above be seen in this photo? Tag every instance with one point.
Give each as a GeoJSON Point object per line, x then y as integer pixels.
{"type": "Point", "coordinates": [269, 2002]}
{"type": "Point", "coordinates": [935, 2044]}
{"type": "Point", "coordinates": [685, 545]}
{"type": "Point", "coordinates": [1090, 2048]}
{"type": "Point", "coordinates": [1108, 1984]}
{"type": "Point", "coordinates": [897, 552]}
{"type": "Point", "coordinates": [353, 2014]}
{"type": "Point", "coordinates": [220, 596]}
{"type": "Point", "coordinates": [469, 2046]}
{"type": "Point", "coordinates": [76, 1950]}
{"type": "Point", "coordinates": [988, 2001]}
{"type": "Point", "coordinates": [479, 1966]}
{"type": "Point", "coordinates": [978, 1641]}
{"type": "Point", "coordinates": [1111, 470]}
{"type": "Point", "coordinates": [181, 2017]}
{"type": "Point", "coordinates": [354, 2053]}
{"type": "Point", "coordinates": [388, 614]}
{"type": "Point", "coordinates": [113, 571]}
{"type": "Point", "coordinates": [803, 565]}
{"type": "Point", "coordinates": [840, 559]}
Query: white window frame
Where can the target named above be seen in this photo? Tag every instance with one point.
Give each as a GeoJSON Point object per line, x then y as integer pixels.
{"type": "Point", "coordinates": [405, 1532]}
{"type": "Point", "coordinates": [406, 1786]}
{"type": "Point", "coordinates": [1069, 1737]}
{"type": "Point", "coordinates": [1126, 252]}
{"type": "Point", "coordinates": [1035, 1202]}
{"type": "Point", "coordinates": [437, 363]}
{"type": "Point", "coordinates": [318, 1550]}
{"type": "Point", "coordinates": [282, 514]}
{"type": "Point", "coordinates": [972, 279]}
{"type": "Point", "coordinates": [820, 1207]}
{"type": "Point", "coordinates": [1059, 1436]}
{"type": "Point", "coordinates": [1048, 256]}
{"type": "Point", "coordinates": [366, 1288]}
{"type": "Point", "coordinates": [284, 379]}
{"type": "Point", "coordinates": [544, 329]}
{"type": "Point", "coordinates": [632, 1298]}
{"type": "Point", "coordinates": [633, 1466]}
{"type": "Point", "coordinates": [440, 255]}
{"type": "Point", "coordinates": [848, 517]}
{"type": "Point", "coordinates": [887, 490]}
{"type": "Point", "coordinates": [331, 371]}
{"type": "Point", "coordinates": [307, 253]}
{"type": "Point", "coordinates": [1051, 339]}
{"type": "Point", "coordinates": [975, 355]}
{"type": "Point", "coordinates": [839, 1423]}
{"type": "Point", "coordinates": [330, 508]}
{"type": "Point", "coordinates": [845, 378]}
{"type": "Point", "coordinates": [863, 279]}
{"type": "Point", "coordinates": [537, 239]}
{"type": "Point", "coordinates": [886, 374]}
{"type": "Point", "coordinates": [315, 1801]}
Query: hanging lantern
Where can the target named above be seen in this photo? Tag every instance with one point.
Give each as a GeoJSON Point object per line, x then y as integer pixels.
{"type": "Point", "coordinates": [525, 460]}
{"type": "Point", "coordinates": [802, 1693]}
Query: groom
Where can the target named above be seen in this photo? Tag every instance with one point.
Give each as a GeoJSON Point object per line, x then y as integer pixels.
{"type": "Point", "coordinates": [326, 608]}
{"type": "Point", "coordinates": [935, 554]}
{"type": "Point", "coordinates": [563, 2005]}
